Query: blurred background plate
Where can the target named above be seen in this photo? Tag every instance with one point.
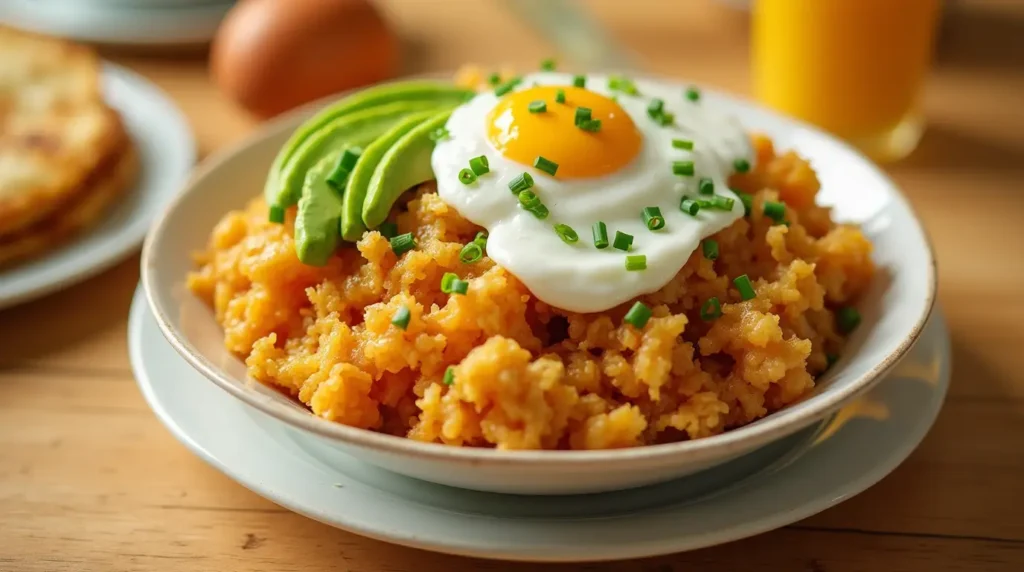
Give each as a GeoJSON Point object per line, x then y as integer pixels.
{"type": "Point", "coordinates": [120, 22]}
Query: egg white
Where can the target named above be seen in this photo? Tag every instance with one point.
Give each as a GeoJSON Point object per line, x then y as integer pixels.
{"type": "Point", "coordinates": [579, 277]}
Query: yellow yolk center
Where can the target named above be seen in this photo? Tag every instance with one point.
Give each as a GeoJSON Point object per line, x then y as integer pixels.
{"type": "Point", "coordinates": [523, 136]}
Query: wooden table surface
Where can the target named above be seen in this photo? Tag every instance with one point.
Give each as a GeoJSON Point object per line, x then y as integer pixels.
{"type": "Point", "coordinates": [90, 480]}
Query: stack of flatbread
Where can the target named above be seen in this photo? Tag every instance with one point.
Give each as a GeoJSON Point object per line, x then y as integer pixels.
{"type": "Point", "coordinates": [65, 157]}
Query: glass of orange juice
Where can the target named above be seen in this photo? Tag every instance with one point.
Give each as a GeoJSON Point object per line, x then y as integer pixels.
{"type": "Point", "coordinates": [853, 67]}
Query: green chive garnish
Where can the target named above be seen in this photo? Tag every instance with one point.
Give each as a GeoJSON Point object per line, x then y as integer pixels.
{"type": "Point", "coordinates": [276, 214]}
{"type": "Point", "coordinates": [746, 289]}
{"type": "Point", "coordinates": [582, 114]}
{"type": "Point", "coordinates": [528, 199]}
{"type": "Point", "coordinates": [467, 176]}
{"type": "Point", "coordinates": [471, 253]}
{"type": "Point", "coordinates": [689, 206]}
{"type": "Point", "coordinates": [479, 165]}
{"type": "Point", "coordinates": [388, 229]}
{"type": "Point", "coordinates": [494, 79]}
{"type": "Point", "coordinates": [665, 119]}
{"type": "Point", "coordinates": [537, 106]}
{"type": "Point", "coordinates": [747, 200]}
{"type": "Point", "coordinates": [623, 84]}
{"type": "Point", "coordinates": [402, 243]}
{"type": "Point", "coordinates": [548, 64]}
{"type": "Point", "coordinates": [682, 144]}
{"type": "Point", "coordinates": [579, 81]}
{"type": "Point", "coordinates": [775, 211]}
{"type": "Point", "coordinates": [716, 202]}
{"type": "Point", "coordinates": [682, 168]}
{"type": "Point", "coordinates": [521, 183]}
{"type": "Point", "coordinates": [635, 262]}
{"type": "Point", "coordinates": [710, 310]}
{"type": "Point", "coordinates": [507, 86]}
{"type": "Point", "coordinates": [540, 211]}
{"type": "Point", "coordinates": [847, 319]}
{"type": "Point", "coordinates": [622, 241]}
{"type": "Point", "coordinates": [741, 165]}
{"type": "Point", "coordinates": [481, 239]}
{"type": "Point", "coordinates": [566, 233]}
{"type": "Point", "coordinates": [591, 125]}
{"type": "Point", "coordinates": [349, 157]}
{"type": "Point", "coordinates": [460, 286]}
{"type": "Point", "coordinates": [449, 375]}
{"type": "Point", "coordinates": [549, 167]}
{"type": "Point", "coordinates": [706, 186]}
{"type": "Point", "coordinates": [653, 219]}
{"type": "Point", "coordinates": [439, 134]}
{"type": "Point", "coordinates": [600, 231]}
{"type": "Point", "coordinates": [692, 93]}
{"type": "Point", "coordinates": [710, 248]}
{"type": "Point", "coordinates": [447, 280]}
{"type": "Point", "coordinates": [560, 96]}
{"type": "Point", "coordinates": [401, 318]}
{"type": "Point", "coordinates": [346, 162]}
{"type": "Point", "coordinates": [638, 315]}
{"type": "Point", "coordinates": [655, 108]}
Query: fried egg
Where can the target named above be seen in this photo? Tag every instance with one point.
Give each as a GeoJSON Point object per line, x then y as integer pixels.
{"type": "Point", "coordinates": [639, 157]}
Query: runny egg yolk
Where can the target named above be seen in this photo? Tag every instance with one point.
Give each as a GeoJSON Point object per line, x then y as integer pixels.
{"type": "Point", "coordinates": [522, 136]}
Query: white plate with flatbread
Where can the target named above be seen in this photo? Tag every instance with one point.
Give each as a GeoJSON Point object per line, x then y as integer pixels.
{"type": "Point", "coordinates": [165, 150]}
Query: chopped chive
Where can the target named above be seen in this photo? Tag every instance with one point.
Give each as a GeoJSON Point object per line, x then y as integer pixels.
{"type": "Point", "coordinates": [623, 84]}
{"type": "Point", "coordinates": [540, 211]}
{"type": "Point", "coordinates": [276, 214]}
{"type": "Point", "coordinates": [710, 249]}
{"type": "Point", "coordinates": [521, 183]}
{"type": "Point", "coordinates": [706, 186]}
{"type": "Point", "coordinates": [481, 240]}
{"type": "Point", "coordinates": [579, 81]}
{"type": "Point", "coordinates": [460, 286]}
{"type": "Point", "coordinates": [439, 134]}
{"type": "Point", "coordinates": [402, 243]}
{"type": "Point", "coordinates": [638, 315]}
{"type": "Point", "coordinates": [652, 218]}
{"type": "Point", "coordinates": [548, 64]}
{"type": "Point", "coordinates": [507, 86]}
{"type": "Point", "coordinates": [682, 168]}
{"type": "Point", "coordinates": [847, 319]}
{"type": "Point", "coordinates": [549, 167]}
{"type": "Point", "coordinates": [689, 206]}
{"type": "Point", "coordinates": [449, 375]}
{"type": "Point", "coordinates": [716, 202]}
{"type": "Point", "coordinates": [349, 157]}
{"type": "Point", "coordinates": [401, 318]}
{"type": "Point", "coordinates": [622, 241]}
{"type": "Point", "coordinates": [591, 125]}
{"type": "Point", "coordinates": [746, 199]}
{"type": "Point", "coordinates": [582, 114]}
{"type": "Point", "coordinates": [337, 179]}
{"type": "Point", "coordinates": [467, 176]}
{"type": "Point", "coordinates": [447, 280]}
{"type": "Point", "coordinates": [746, 289]}
{"type": "Point", "coordinates": [635, 262]}
{"type": "Point", "coordinates": [692, 93]}
{"type": "Point", "coordinates": [528, 199]}
{"type": "Point", "coordinates": [537, 106]}
{"type": "Point", "coordinates": [388, 229]}
{"type": "Point", "coordinates": [480, 165]}
{"type": "Point", "coordinates": [711, 309]}
{"type": "Point", "coordinates": [566, 233]}
{"type": "Point", "coordinates": [600, 231]}
{"type": "Point", "coordinates": [471, 253]}
{"type": "Point", "coordinates": [346, 162]}
{"type": "Point", "coordinates": [655, 108]}
{"type": "Point", "coordinates": [494, 79]}
{"type": "Point", "coordinates": [685, 144]}
{"type": "Point", "coordinates": [665, 119]}
{"type": "Point", "coordinates": [741, 165]}
{"type": "Point", "coordinates": [560, 96]}
{"type": "Point", "coordinates": [775, 211]}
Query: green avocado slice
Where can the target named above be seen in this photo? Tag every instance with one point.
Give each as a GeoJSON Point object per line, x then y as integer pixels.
{"type": "Point", "coordinates": [316, 223]}
{"type": "Point", "coordinates": [405, 165]}
{"type": "Point", "coordinates": [282, 191]}
{"type": "Point", "coordinates": [352, 226]}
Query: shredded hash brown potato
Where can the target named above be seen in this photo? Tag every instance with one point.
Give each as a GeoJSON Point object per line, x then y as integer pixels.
{"type": "Point", "coordinates": [527, 375]}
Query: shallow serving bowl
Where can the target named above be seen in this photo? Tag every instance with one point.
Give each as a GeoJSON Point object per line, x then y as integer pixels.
{"type": "Point", "coordinates": [894, 311]}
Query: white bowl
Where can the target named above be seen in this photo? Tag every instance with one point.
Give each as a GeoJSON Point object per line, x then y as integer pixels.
{"type": "Point", "coordinates": [894, 311]}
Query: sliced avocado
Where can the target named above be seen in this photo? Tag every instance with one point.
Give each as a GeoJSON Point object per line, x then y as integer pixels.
{"type": "Point", "coordinates": [316, 223]}
{"type": "Point", "coordinates": [405, 165]}
{"type": "Point", "coordinates": [352, 227]}
{"type": "Point", "coordinates": [278, 192]}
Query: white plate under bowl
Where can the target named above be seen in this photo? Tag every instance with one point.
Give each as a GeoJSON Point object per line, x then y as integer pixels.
{"type": "Point", "coordinates": [782, 483]}
{"type": "Point", "coordinates": [894, 310]}
{"type": "Point", "coordinates": [167, 153]}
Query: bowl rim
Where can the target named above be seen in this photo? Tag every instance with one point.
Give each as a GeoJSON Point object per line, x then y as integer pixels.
{"type": "Point", "coordinates": [766, 429]}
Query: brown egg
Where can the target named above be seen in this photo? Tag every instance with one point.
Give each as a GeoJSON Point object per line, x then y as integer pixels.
{"type": "Point", "coordinates": [273, 55]}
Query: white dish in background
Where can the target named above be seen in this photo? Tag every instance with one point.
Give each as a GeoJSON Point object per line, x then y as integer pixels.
{"type": "Point", "coordinates": [894, 310]}
{"type": "Point", "coordinates": [166, 152]}
{"type": "Point", "coordinates": [775, 486]}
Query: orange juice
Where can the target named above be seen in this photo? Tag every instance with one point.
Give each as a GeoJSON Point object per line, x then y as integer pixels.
{"type": "Point", "coordinates": [853, 67]}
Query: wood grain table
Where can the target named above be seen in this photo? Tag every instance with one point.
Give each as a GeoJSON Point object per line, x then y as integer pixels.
{"type": "Point", "coordinates": [90, 480]}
